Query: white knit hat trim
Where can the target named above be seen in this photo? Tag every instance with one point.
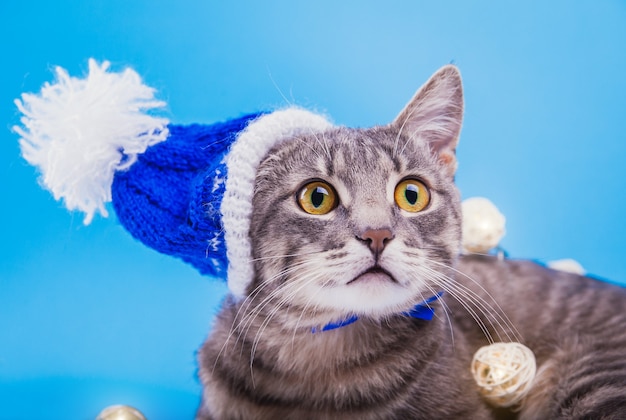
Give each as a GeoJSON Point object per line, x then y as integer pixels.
{"type": "Point", "coordinates": [242, 161]}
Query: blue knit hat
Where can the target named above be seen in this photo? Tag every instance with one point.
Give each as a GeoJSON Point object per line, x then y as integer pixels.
{"type": "Point", "coordinates": [185, 191]}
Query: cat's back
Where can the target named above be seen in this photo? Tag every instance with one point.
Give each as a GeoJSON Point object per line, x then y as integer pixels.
{"type": "Point", "coordinates": [575, 325]}
{"type": "Point", "coordinates": [536, 298]}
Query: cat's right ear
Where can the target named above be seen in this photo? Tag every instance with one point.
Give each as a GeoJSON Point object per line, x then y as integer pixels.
{"type": "Point", "coordinates": [435, 115]}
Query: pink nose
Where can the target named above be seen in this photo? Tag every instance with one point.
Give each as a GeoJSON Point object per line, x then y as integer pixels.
{"type": "Point", "coordinates": [377, 239]}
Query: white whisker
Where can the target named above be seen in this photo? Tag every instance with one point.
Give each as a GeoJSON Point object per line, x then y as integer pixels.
{"type": "Point", "coordinates": [288, 292]}
{"type": "Point", "coordinates": [473, 303]}
{"type": "Point", "coordinates": [283, 256]}
{"type": "Point", "coordinates": [243, 323]}
{"type": "Point", "coordinates": [280, 91]}
{"type": "Point", "coordinates": [436, 277]}
{"type": "Point", "coordinates": [305, 307]}
{"type": "Point", "coordinates": [497, 310]}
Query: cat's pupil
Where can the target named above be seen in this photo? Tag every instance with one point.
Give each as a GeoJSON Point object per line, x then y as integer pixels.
{"type": "Point", "coordinates": [411, 194]}
{"type": "Point", "coordinates": [318, 196]}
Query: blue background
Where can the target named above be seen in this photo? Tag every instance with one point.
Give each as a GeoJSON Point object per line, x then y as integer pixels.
{"type": "Point", "coordinates": [89, 317]}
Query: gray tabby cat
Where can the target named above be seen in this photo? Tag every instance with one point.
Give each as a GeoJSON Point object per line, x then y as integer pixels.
{"type": "Point", "coordinates": [366, 222]}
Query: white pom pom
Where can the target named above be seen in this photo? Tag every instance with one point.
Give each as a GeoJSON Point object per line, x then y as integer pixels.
{"type": "Point", "coordinates": [504, 372]}
{"type": "Point", "coordinates": [483, 225]}
{"type": "Point", "coordinates": [78, 132]}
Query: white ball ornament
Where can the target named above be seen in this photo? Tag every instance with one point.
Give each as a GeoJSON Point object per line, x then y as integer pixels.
{"type": "Point", "coordinates": [568, 265]}
{"type": "Point", "coordinates": [120, 412]}
{"type": "Point", "coordinates": [504, 372]}
{"type": "Point", "coordinates": [482, 226]}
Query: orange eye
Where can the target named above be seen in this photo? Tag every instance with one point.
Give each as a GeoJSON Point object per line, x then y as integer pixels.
{"type": "Point", "coordinates": [411, 195]}
{"type": "Point", "coordinates": [317, 197]}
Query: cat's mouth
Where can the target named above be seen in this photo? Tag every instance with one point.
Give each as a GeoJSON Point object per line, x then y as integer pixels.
{"type": "Point", "coordinates": [376, 271]}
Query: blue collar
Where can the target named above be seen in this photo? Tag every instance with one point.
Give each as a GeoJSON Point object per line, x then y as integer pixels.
{"type": "Point", "coordinates": [422, 310]}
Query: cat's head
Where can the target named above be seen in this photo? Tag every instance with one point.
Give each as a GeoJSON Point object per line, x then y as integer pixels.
{"type": "Point", "coordinates": [343, 220]}
{"type": "Point", "coordinates": [362, 221]}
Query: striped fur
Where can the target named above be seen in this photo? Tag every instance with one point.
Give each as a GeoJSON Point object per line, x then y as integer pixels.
{"type": "Point", "coordinates": [263, 362]}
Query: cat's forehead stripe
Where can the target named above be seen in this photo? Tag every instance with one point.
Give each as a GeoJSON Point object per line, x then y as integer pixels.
{"type": "Point", "coordinates": [364, 157]}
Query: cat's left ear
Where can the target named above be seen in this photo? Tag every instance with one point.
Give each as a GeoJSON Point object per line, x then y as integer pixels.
{"type": "Point", "coordinates": [435, 115]}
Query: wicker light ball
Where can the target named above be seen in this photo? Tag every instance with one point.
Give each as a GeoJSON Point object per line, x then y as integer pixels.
{"type": "Point", "coordinates": [504, 372]}
{"type": "Point", "coordinates": [120, 412]}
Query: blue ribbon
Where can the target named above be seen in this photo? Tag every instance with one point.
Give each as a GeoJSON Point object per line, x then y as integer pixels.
{"type": "Point", "coordinates": [422, 310]}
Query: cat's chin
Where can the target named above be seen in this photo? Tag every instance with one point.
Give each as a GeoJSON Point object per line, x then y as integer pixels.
{"type": "Point", "coordinates": [371, 293]}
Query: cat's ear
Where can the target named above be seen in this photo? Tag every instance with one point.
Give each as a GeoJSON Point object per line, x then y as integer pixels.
{"type": "Point", "coordinates": [435, 115]}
